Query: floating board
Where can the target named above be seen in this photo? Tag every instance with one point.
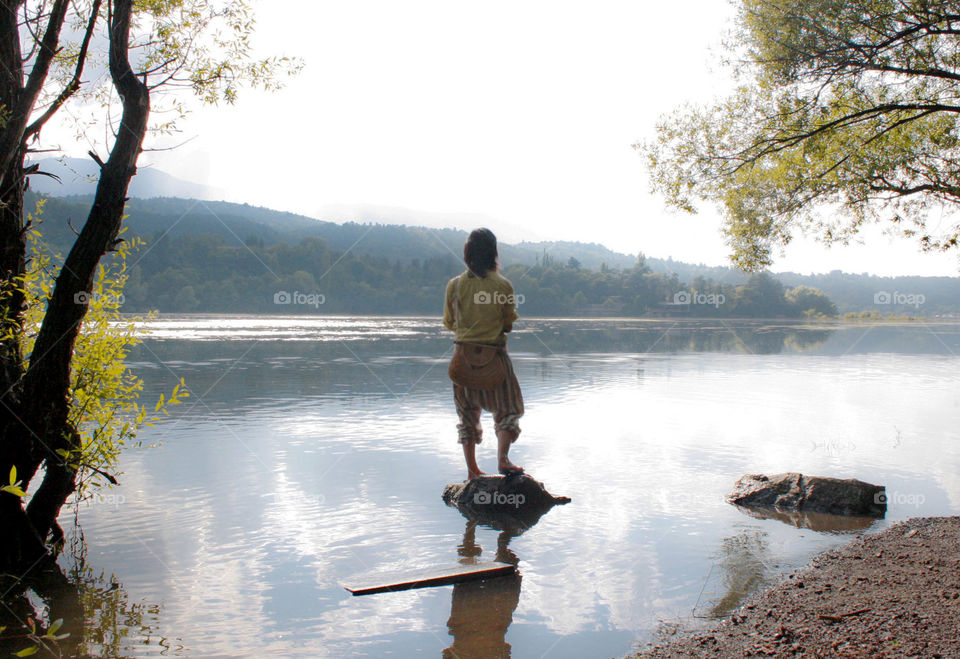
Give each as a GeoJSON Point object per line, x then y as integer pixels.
{"type": "Point", "coordinates": [435, 576]}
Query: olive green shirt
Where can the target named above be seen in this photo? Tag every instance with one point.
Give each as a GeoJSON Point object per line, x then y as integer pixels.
{"type": "Point", "coordinates": [487, 306]}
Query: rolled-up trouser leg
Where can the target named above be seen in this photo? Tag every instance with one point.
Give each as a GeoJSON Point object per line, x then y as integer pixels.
{"type": "Point", "coordinates": [469, 430]}
{"type": "Point", "coordinates": [505, 402]}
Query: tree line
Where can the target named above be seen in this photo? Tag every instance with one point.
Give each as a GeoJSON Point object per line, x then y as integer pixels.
{"type": "Point", "coordinates": [402, 246]}
{"type": "Point", "coordinates": [208, 273]}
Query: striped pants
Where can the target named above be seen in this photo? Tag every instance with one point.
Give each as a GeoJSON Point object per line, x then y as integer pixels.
{"type": "Point", "coordinates": [505, 402]}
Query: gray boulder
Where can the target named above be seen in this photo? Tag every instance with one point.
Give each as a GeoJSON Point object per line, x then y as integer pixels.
{"type": "Point", "coordinates": [503, 502]}
{"type": "Point", "coordinates": [796, 492]}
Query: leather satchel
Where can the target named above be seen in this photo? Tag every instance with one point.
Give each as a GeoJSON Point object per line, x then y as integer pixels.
{"type": "Point", "coordinates": [475, 365]}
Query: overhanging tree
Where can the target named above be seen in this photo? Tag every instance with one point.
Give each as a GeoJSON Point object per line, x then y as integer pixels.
{"type": "Point", "coordinates": [150, 46]}
{"type": "Point", "coordinates": [846, 113]}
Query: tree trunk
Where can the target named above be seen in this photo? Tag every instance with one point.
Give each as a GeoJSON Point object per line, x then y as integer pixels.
{"type": "Point", "coordinates": [35, 405]}
{"type": "Point", "coordinates": [47, 382]}
{"type": "Point", "coordinates": [21, 546]}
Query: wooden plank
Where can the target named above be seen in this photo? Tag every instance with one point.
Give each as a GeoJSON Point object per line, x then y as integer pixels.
{"type": "Point", "coordinates": [436, 576]}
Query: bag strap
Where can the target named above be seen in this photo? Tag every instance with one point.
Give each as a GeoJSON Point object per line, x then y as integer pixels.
{"type": "Point", "coordinates": [456, 301]}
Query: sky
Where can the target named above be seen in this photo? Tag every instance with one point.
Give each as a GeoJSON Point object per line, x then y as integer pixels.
{"type": "Point", "coordinates": [516, 115]}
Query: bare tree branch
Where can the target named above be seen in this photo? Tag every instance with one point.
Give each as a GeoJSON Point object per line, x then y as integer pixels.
{"type": "Point", "coordinates": [74, 83]}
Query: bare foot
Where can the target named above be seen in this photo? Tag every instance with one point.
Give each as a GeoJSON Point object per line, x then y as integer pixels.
{"type": "Point", "coordinates": [470, 455]}
{"type": "Point", "coordinates": [505, 467]}
{"type": "Point", "coordinates": [473, 474]}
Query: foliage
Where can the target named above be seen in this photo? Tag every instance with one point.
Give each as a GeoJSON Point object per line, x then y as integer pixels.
{"type": "Point", "coordinates": [846, 113]}
{"type": "Point", "coordinates": [103, 392]}
{"type": "Point", "coordinates": [14, 486]}
{"type": "Point", "coordinates": [210, 274]}
{"type": "Point", "coordinates": [36, 637]}
{"type": "Point", "coordinates": [811, 301]}
{"type": "Point", "coordinates": [201, 46]}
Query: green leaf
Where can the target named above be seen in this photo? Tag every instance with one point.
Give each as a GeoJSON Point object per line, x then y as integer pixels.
{"type": "Point", "coordinates": [54, 626]}
{"type": "Point", "coordinates": [13, 489]}
{"type": "Point", "coordinates": [13, 474]}
{"type": "Point", "coordinates": [26, 652]}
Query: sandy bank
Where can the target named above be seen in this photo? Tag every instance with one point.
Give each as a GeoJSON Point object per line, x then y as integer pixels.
{"type": "Point", "coordinates": [893, 594]}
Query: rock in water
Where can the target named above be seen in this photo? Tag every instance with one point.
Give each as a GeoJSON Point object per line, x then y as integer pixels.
{"type": "Point", "coordinates": [792, 491]}
{"type": "Point", "coordinates": [502, 500]}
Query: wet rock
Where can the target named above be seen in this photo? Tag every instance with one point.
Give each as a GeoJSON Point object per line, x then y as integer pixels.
{"type": "Point", "coordinates": [502, 501]}
{"type": "Point", "coordinates": [796, 492]}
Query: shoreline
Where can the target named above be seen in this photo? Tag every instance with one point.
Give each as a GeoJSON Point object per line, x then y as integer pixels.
{"type": "Point", "coordinates": [895, 593]}
{"type": "Point", "coordinates": [839, 320]}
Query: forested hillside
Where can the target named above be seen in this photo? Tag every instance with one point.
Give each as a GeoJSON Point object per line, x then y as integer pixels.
{"type": "Point", "coordinates": [204, 256]}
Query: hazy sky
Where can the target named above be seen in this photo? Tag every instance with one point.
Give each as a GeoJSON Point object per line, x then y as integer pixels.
{"type": "Point", "coordinates": [521, 113]}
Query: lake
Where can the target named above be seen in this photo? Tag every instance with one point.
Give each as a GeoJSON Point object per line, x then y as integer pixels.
{"type": "Point", "coordinates": [315, 449]}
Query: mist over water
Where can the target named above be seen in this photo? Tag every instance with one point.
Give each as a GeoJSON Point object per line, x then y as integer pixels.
{"type": "Point", "coordinates": [316, 449]}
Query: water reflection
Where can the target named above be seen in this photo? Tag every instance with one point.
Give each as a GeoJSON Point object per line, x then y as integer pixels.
{"type": "Point", "coordinates": [746, 558]}
{"type": "Point", "coordinates": [481, 611]}
{"type": "Point", "coordinates": [746, 563]}
{"type": "Point", "coordinates": [299, 462]}
{"type": "Point", "coordinates": [821, 522]}
{"type": "Point", "coordinates": [183, 340]}
{"type": "Point", "coordinates": [31, 604]}
{"type": "Point", "coordinates": [98, 617]}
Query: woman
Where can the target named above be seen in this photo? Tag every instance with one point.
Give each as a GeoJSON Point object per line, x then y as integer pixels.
{"type": "Point", "coordinates": [480, 308]}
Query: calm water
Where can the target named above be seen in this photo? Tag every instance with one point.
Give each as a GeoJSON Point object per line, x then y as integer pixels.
{"type": "Point", "coordinates": [313, 450]}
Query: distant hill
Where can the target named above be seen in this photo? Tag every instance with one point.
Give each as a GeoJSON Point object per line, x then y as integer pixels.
{"type": "Point", "coordinates": [177, 219]}
{"type": "Point", "coordinates": [78, 176]}
{"type": "Point", "coordinates": [177, 207]}
{"type": "Point", "coordinates": [589, 255]}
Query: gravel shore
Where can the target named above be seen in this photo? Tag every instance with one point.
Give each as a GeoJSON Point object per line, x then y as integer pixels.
{"type": "Point", "coordinates": [893, 594]}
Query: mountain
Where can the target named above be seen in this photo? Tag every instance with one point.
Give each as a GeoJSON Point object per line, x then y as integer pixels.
{"type": "Point", "coordinates": [175, 217]}
{"type": "Point", "coordinates": [178, 206]}
{"type": "Point", "coordinates": [187, 221]}
{"type": "Point", "coordinates": [78, 176]}
{"type": "Point", "coordinates": [589, 255]}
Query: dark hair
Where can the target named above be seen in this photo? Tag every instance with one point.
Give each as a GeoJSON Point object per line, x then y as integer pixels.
{"type": "Point", "coordinates": [480, 252]}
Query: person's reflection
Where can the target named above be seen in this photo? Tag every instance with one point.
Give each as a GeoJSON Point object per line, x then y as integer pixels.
{"type": "Point", "coordinates": [482, 611]}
